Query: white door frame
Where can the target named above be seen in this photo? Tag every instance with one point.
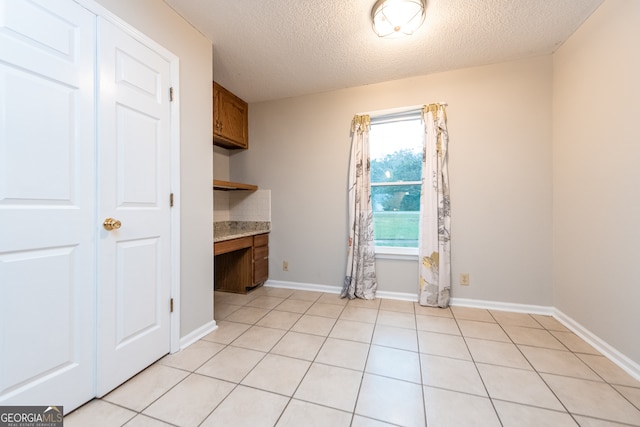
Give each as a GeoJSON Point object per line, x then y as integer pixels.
{"type": "Point", "coordinates": [173, 59]}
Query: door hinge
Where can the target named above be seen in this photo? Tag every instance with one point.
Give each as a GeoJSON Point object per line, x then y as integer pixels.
{"type": "Point", "coordinates": [171, 200]}
{"type": "Point", "coordinates": [171, 94]}
{"type": "Point", "coordinates": [171, 305]}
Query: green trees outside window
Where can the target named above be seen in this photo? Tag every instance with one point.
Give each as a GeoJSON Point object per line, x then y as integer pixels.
{"type": "Point", "coordinates": [396, 170]}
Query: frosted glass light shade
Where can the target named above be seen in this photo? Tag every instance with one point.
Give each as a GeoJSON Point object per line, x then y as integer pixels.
{"type": "Point", "coordinates": [396, 18]}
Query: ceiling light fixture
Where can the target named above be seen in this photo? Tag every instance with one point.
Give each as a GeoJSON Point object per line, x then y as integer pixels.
{"type": "Point", "coordinates": [397, 18]}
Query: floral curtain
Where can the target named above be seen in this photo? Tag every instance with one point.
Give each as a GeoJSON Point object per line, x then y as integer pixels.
{"type": "Point", "coordinates": [360, 278]}
{"type": "Point", "coordinates": [435, 211]}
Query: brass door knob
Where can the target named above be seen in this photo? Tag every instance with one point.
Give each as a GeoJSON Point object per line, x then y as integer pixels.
{"type": "Point", "coordinates": [111, 224]}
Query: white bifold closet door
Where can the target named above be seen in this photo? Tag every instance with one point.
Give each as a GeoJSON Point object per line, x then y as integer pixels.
{"type": "Point", "coordinates": [84, 136]}
{"type": "Point", "coordinates": [47, 203]}
{"type": "Point", "coordinates": [134, 187]}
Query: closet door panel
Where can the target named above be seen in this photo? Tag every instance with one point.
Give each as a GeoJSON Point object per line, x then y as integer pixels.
{"type": "Point", "coordinates": [134, 267]}
{"type": "Point", "coordinates": [47, 203]}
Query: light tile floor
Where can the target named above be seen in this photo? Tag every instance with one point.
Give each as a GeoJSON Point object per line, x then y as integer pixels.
{"type": "Point", "coordinates": [297, 358]}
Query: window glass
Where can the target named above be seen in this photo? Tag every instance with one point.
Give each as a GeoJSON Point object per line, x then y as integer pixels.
{"type": "Point", "coordinates": [396, 171]}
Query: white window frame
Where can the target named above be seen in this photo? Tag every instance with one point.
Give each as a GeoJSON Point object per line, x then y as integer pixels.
{"type": "Point", "coordinates": [396, 252]}
{"type": "Point", "coordinates": [412, 113]}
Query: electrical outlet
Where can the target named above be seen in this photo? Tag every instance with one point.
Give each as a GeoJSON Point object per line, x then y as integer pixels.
{"type": "Point", "coordinates": [285, 265]}
{"type": "Point", "coordinates": [464, 279]}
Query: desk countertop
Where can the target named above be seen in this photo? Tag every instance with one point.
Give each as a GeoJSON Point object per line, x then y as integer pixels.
{"type": "Point", "coordinates": [228, 230]}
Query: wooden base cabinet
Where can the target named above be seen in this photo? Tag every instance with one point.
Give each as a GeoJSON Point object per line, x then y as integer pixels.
{"type": "Point", "coordinates": [233, 271]}
{"type": "Point", "coordinates": [241, 264]}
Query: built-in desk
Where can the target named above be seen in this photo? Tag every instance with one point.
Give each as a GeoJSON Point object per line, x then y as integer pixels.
{"type": "Point", "coordinates": [241, 264]}
{"type": "Point", "coordinates": [232, 245]}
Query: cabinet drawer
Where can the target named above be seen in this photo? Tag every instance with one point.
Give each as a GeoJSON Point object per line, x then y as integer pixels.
{"type": "Point", "coordinates": [260, 252]}
{"type": "Point", "coordinates": [232, 245]}
{"type": "Point", "coordinates": [261, 240]}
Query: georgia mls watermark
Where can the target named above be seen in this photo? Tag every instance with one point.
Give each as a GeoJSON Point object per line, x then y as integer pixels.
{"type": "Point", "coordinates": [31, 416]}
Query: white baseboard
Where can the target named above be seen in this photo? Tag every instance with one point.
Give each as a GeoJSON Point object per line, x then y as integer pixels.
{"type": "Point", "coordinates": [628, 365]}
{"type": "Point", "coordinates": [503, 306]}
{"type": "Point", "coordinates": [335, 289]}
{"type": "Point", "coordinates": [299, 286]}
{"type": "Point", "coordinates": [405, 296]}
{"type": "Point", "coordinates": [198, 333]}
{"type": "Point", "coordinates": [402, 296]}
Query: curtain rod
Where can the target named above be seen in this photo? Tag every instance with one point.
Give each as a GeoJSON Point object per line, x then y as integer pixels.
{"type": "Point", "coordinates": [398, 112]}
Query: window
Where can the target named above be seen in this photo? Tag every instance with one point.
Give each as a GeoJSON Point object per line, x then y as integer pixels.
{"type": "Point", "coordinates": [396, 145]}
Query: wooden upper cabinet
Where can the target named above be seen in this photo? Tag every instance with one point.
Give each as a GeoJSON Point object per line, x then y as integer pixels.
{"type": "Point", "coordinates": [230, 119]}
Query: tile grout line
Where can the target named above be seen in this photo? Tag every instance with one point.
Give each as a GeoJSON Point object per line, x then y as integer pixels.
{"type": "Point", "coordinates": [422, 378]}
{"type": "Point", "coordinates": [475, 365]}
{"type": "Point", "coordinates": [353, 415]}
{"type": "Point", "coordinates": [291, 398]}
{"type": "Point", "coordinates": [604, 381]}
{"type": "Point", "coordinates": [535, 369]}
{"type": "Point", "coordinates": [370, 344]}
{"type": "Point", "coordinates": [236, 385]}
{"type": "Point", "coordinates": [311, 362]}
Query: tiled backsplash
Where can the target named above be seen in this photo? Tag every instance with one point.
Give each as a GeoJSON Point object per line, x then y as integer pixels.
{"type": "Point", "coordinates": [221, 206]}
{"type": "Point", "coordinates": [242, 205]}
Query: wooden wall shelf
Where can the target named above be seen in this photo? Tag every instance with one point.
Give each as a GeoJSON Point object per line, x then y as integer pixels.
{"type": "Point", "coordinates": [232, 186]}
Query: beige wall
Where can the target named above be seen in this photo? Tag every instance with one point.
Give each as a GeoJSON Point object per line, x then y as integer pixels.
{"type": "Point", "coordinates": [500, 165]}
{"type": "Point", "coordinates": [506, 190]}
{"type": "Point", "coordinates": [159, 22]}
{"type": "Point", "coordinates": [596, 171]}
{"type": "Point", "coordinates": [221, 162]}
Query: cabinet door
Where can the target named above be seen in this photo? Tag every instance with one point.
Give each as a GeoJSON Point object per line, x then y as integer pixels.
{"type": "Point", "coordinates": [260, 258]}
{"type": "Point", "coordinates": [230, 119]}
{"type": "Point", "coordinates": [261, 264]}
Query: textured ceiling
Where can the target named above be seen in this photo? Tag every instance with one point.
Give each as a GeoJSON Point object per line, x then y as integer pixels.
{"type": "Point", "coordinates": [269, 49]}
